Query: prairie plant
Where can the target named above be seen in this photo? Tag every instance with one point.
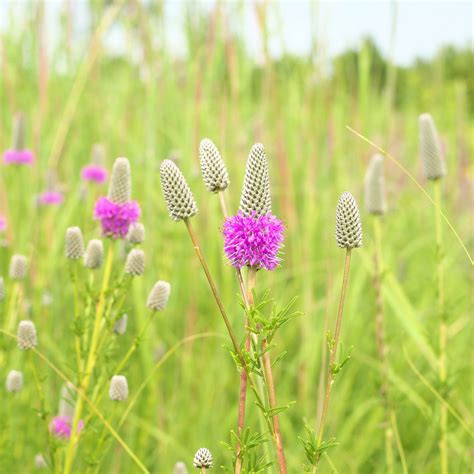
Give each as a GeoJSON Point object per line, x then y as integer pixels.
{"type": "Point", "coordinates": [434, 168]}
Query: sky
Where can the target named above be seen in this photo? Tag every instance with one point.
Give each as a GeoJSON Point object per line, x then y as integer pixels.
{"type": "Point", "coordinates": [422, 27]}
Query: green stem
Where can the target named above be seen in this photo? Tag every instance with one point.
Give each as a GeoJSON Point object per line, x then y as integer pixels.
{"type": "Point", "coordinates": [443, 330]}
{"type": "Point", "coordinates": [77, 337]}
{"type": "Point", "coordinates": [71, 449]}
{"type": "Point", "coordinates": [10, 320]}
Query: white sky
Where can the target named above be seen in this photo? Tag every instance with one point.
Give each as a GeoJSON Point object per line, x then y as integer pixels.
{"type": "Point", "coordinates": [421, 28]}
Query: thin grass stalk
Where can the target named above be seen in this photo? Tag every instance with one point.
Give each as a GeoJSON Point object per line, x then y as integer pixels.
{"type": "Point", "coordinates": [77, 339]}
{"type": "Point", "coordinates": [443, 331]}
{"type": "Point", "coordinates": [71, 449]}
{"type": "Point", "coordinates": [381, 344]}
{"type": "Point", "coordinates": [330, 375]}
{"type": "Point", "coordinates": [10, 320]}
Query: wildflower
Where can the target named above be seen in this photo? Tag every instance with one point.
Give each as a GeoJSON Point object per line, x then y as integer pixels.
{"type": "Point", "coordinates": [348, 225]}
{"type": "Point", "coordinates": [26, 335]}
{"type": "Point", "coordinates": [117, 212]}
{"type": "Point", "coordinates": [213, 169]}
{"type": "Point", "coordinates": [3, 224]}
{"type": "Point", "coordinates": [434, 165]}
{"type": "Point", "coordinates": [374, 186]}
{"type": "Point", "coordinates": [159, 295]}
{"type": "Point", "coordinates": [136, 233]}
{"type": "Point", "coordinates": [120, 325]}
{"type": "Point", "coordinates": [18, 267]}
{"type": "Point", "coordinates": [180, 468]}
{"type": "Point", "coordinates": [94, 173]}
{"type": "Point", "coordinates": [61, 426]}
{"type": "Point", "coordinates": [202, 459]}
{"type": "Point", "coordinates": [178, 195]}
{"type": "Point", "coordinates": [253, 241]}
{"type": "Point", "coordinates": [256, 197]}
{"type": "Point", "coordinates": [14, 382]}
{"type": "Point", "coordinates": [135, 263]}
{"type": "Point", "coordinates": [94, 255]}
{"type": "Point", "coordinates": [50, 198]}
{"type": "Point", "coordinates": [74, 243]}
{"type": "Point", "coordinates": [118, 390]}
{"type": "Point", "coordinates": [18, 155]}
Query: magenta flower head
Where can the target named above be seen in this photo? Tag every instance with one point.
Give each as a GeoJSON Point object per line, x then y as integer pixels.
{"type": "Point", "coordinates": [3, 224]}
{"type": "Point", "coordinates": [61, 427]}
{"type": "Point", "coordinates": [94, 174]}
{"type": "Point", "coordinates": [117, 211]}
{"type": "Point", "coordinates": [50, 198]}
{"type": "Point", "coordinates": [253, 240]}
{"type": "Point", "coordinates": [18, 155]}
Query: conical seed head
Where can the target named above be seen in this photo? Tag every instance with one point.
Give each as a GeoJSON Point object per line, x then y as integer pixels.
{"type": "Point", "coordinates": [135, 264]}
{"type": "Point", "coordinates": [178, 195]}
{"type": "Point", "coordinates": [136, 233]}
{"type": "Point", "coordinates": [434, 165]}
{"type": "Point", "coordinates": [74, 243]}
{"type": "Point", "coordinates": [2, 289]}
{"type": "Point", "coordinates": [18, 267]}
{"type": "Point", "coordinates": [348, 224]}
{"type": "Point", "coordinates": [120, 187]}
{"type": "Point", "coordinates": [26, 335]}
{"type": "Point", "coordinates": [374, 186]}
{"type": "Point", "coordinates": [118, 390]}
{"type": "Point", "coordinates": [94, 255]}
{"type": "Point", "coordinates": [256, 196]}
{"type": "Point", "coordinates": [19, 132]}
{"type": "Point", "coordinates": [120, 325]}
{"type": "Point", "coordinates": [214, 172]}
{"type": "Point", "coordinates": [159, 295]}
{"type": "Point", "coordinates": [180, 468]}
{"type": "Point", "coordinates": [66, 400]}
{"type": "Point", "coordinates": [14, 382]}
{"type": "Point", "coordinates": [202, 459]}
{"type": "Point", "coordinates": [40, 462]}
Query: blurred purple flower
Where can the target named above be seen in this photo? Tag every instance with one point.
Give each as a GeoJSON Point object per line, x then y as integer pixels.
{"type": "Point", "coordinates": [61, 426]}
{"type": "Point", "coordinates": [94, 173]}
{"type": "Point", "coordinates": [18, 157]}
{"type": "Point", "coordinates": [3, 223]}
{"type": "Point", "coordinates": [253, 241]}
{"type": "Point", "coordinates": [50, 198]}
{"type": "Point", "coordinates": [116, 218]}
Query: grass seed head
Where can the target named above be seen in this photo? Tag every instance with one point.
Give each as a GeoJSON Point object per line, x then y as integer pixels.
{"type": "Point", "coordinates": [348, 224]}
{"type": "Point", "coordinates": [214, 172]}
{"type": "Point", "coordinates": [374, 186]}
{"type": "Point", "coordinates": [26, 335]}
{"type": "Point", "coordinates": [74, 243]}
{"type": "Point", "coordinates": [434, 165]}
{"type": "Point", "coordinates": [256, 196]}
{"type": "Point", "coordinates": [178, 195]}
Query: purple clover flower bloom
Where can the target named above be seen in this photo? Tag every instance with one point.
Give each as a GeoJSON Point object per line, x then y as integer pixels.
{"type": "Point", "coordinates": [50, 198]}
{"type": "Point", "coordinates": [3, 223]}
{"type": "Point", "coordinates": [61, 426]}
{"type": "Point", "coordinates": [116, 218]}
{"type": "Point", "coordinates": [253, 240]}
{"type": "Point", "coordinates": [18, 157]}
{"type": "Point", "coordinates": [94, 173]}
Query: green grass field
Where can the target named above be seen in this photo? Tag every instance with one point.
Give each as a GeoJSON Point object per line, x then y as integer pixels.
{"type": "Point", "coordinates": [161, 107]}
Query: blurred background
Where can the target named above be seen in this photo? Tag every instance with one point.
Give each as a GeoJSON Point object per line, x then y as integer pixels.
{"type": "Point", "coordinates": [148, 80]}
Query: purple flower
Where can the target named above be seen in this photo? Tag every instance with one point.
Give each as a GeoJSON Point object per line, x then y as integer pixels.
{"type": "Point", "coordinates": [18, 157]}
{"type": "Point", "coordinates": [50, 198]}
{"type": "Point", "coordinates": [3, 224]}
{"type": "Point", "coordinates": [61, 426]}
{"type": "Point", "coordinates": [253, 240]}
{"type": "Point", "coordinates": [116, 218]}
{"type": "Point", "coordinates": [94, 173]}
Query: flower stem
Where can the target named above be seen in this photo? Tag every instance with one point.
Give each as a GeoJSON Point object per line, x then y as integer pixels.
{"type": "Point", "coordinates": [332, 360]}
{"type": "Point", "coordinates": [77, 339]}
{"type": "Point", "coordinates": [10, 320]}
{"type": "Point", "coordinates": [71, 449]}
{"type": "Point", "coordinates": [380, 341]}
{"type": "Point", "coordinates": [443, 330]}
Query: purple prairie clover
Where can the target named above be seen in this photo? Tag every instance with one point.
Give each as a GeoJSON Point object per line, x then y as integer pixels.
{"type": "Point", "coordinates": [61, 427]}
{"type": "Point", "coordinates": [116, 218]}
{"type": "Point", "coordinates": [94, 174]}
{"type": "Point", "coordinates": [18, 157]}
{"type": "Point", "coordinates": [50, 198]}
{"type": "Point", "coordinates": [3, 224]}
{"type": "Point", "coordinates": [253, 240]}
